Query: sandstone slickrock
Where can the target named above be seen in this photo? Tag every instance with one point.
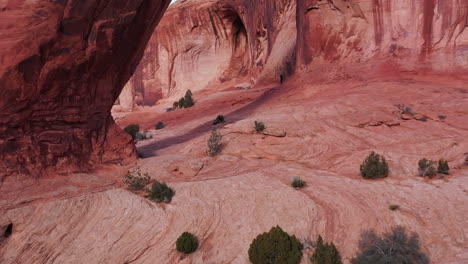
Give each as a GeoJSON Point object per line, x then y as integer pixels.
{"type": "Point", "coordinates": [201, 44]}
{"type": "Point", "coordinates": [62, 66]}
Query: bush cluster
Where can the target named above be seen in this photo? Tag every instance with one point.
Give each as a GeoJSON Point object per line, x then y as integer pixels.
{"type": "Point", "coordinates": [259, 126]}
{"type": "Point", "coordinates": [443, 167]}
{"type": "Point", "coordinates": [325, 253]}
{"type": "Point", "coordinates": [298, 183]}
{"type": "Point", "coordinates": [427, 168]}
{"type": "Point", "coordinates": [214, 143]}
{"type": "Point", "coordinates": [159, 125]}
{"type": "Point", "coordinates": [275, 247]}
{"type": "Point", "coordinates": [392, 247]}
{"type": "Point", "coordinates": [219, 119]}
{"type": "Point", "coordinates": [374, 166]}
{"type": "Point", "coordinates": [136, 180]}
{"type": "Point", "coordinates": [160, 192]}
{"type": "Point", "coordinates": [184, 102]}
{"type": "Point", "coordinates": [132, 130]}
{"type": "Point", "coordinates": [187, 243]}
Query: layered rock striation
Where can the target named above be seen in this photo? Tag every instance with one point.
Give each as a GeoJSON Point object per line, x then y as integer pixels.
{"type": "Point", "coordinates": [62, 66]}
{"type": "Point", "coordinates": [201, 44]}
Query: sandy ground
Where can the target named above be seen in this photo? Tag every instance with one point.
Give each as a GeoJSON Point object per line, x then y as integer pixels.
{"type": "Point", "coordinates": [320, 132]}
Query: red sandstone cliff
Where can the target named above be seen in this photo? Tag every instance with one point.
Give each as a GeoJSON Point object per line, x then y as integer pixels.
{"type": "Point", "coordinates": [62, 66]}
{"type": "Point", "coordinates": [200, 44]}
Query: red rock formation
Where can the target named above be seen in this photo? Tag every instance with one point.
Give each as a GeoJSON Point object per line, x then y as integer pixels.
{"type": "Point", "coordinates": [62, 66]}
{"type": "Point", "coordinates": [201, 44]}
{"type": "Point", "coordinates": [195, 47]}
{"type": "Point", "coordinates": [411, 35]}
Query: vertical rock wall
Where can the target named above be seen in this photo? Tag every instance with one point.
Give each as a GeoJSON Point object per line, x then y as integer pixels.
{"type": "Point", "coordinates": [63, 64]}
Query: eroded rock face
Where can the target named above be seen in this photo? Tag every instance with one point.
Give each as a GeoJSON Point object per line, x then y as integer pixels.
{"type": "Point", "coordinates": [62, 66]}
{"type": "Point", "coordinates": [410, 35]}
{"type": "Point", "coordinates": [201, 44]}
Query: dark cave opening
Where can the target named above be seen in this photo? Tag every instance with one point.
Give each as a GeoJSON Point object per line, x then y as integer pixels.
{"type": "Point", "coordinates": [8, 230]}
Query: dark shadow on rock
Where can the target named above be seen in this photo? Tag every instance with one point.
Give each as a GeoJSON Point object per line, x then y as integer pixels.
{"type": "Point", "coordinates": [239, 114]}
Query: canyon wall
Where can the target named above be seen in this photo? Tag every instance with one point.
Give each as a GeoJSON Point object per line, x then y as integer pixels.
{"type": "Point", "coordinates": [423, 35]}
{"type": "Point", "coordinates": [62, 66]}
{"type": "Point", "coordinates": [201, 44]}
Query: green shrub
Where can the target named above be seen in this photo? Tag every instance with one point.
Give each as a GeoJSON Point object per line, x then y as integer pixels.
{"type": "Point", "coordinates": [214, 143]}
{"type": "Point", "coordinates": [186, 101]}
{"type": "Point", "coordinates": [259, 126]}
{"type": "Point", "coordinates": [275, 247]}
{"type": "Point", "coordinates": [135, 180]}
{"type": "Point", "coordinates": [132, 130]}
{"type": "Point", "coordinates": [298, 183]}
{"type": "Point", "coordinates": [374, 167]}
{"type": "Point", "coordinates": [443, 167]}
{"type": "Point", "coordinates": [219, 119]}
{"type": "Point", "coordinates": [159, 125]}
{"type": "Point", "coordinates": [394, 207]}
{"type": "Point", "coordinates": [391, 247]}
{"type": "Point", "coordinates": [160, 192]}
{"type": "Point", "coordinates": [426, 168]}
{"type": "Point", "coordinates": [325, 253]}
{"type": "Point", "coordinates": [187, 243]}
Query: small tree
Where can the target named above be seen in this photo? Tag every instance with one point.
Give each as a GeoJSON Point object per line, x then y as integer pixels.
{"type": "Point", "coordinates": [214, 143]}
{"type": "Point", "coordinates": [325, 253]}
{"type": "Point", "coordinates": [298, 183]}
{"type": "Point", "coordinates": [259, 126]}
{"type": "Point", "coordinates": [374, 166]}
{"type": "Point", "coordinates": [160, 192]}
{"type": "Point", "coordinates": [275, 247]}
{"type": "Point", "coordinates": [392, 247]}
{"type": "Point", "coordinates": [136, 180]}
{"type": "Point", "coordinates": [187, 243]}
{"type": "Point", "coordinates": [182, 102]}
{"type": "Point", "coordinates": [132, 130]}
{"type": "Point", "coordinates": [219, 119]}
{"type": "Point", "coordinates": [443, 167]}
{"type": "Point", "coordinates": [427, 168]}
{"type": "Point", "coordinates": [159, 125]}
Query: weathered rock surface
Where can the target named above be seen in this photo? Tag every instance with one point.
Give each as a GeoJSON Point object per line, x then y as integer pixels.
{"type": "Point", "coordinates": [423, 35]}
{"type": "Point", "coordinates": [207, 44]}
{"type": "Point", "coordinates": [201, 44]}
{"type": "Point", "coordinates": [62, 66]}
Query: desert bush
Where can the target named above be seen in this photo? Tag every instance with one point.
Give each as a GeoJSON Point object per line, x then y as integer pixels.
{"type": "Point", "coordinates": [132, 130]}
{"type": "Point", "coordinates": [393, 207]}
{"type": "Point", "coordinates": [136, 180]}
{"type": "Point", "coordinates": [298, 183]}
{"type": "Point", "coordinates": [374, 166]}
{"type": "Point", "coordinates": [325, 253]}
{"type": "Point", "coordinates": [160, 192]}
{"type": "Point", "coordinates": [219, 119]}
{"type": "Point", "coordinates": [214, 143]}
{"type": "Point", "coordinates": [275, 247]}
{"type": "Point", "coordinates": [426, 168]}
{"type": "Point", "coordinates": [186, 101]}
{"type": "Point", "coordinates": [443, 167]}
{"type": "Point", "coordinates": [259, 126]}
{"type": "Point", "coordinates": [187, 243]}
{"type": "Point", "coordinates": [143, 135]}
{"type": "Point", "coordinates": [392, 247]}
{"type": "Point", "coordinates": [159, 125]}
